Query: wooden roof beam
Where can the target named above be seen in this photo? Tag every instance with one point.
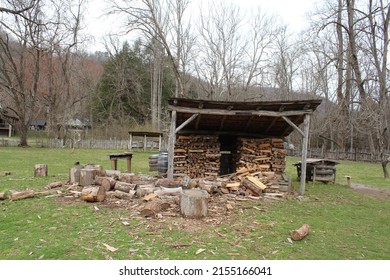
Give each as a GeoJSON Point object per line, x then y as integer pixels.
{"type": "Point", "coordinates": [190, 119]}
{"type": "Point", "coordinates": [239, 112]}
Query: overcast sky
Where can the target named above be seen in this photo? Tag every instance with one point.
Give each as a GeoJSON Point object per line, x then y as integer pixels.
{"type": "Point", "coordinates": [291, 12]}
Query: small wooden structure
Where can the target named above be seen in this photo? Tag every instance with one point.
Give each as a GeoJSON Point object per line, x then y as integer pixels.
{"type": "Point", "coordinates": [323, 170]}
{"type": "Point", "coordinates": [114, 160]}
{"type": "Point", "coordinates": [230, 121]}
{"type": "Point", "coordinates": [145, 135]}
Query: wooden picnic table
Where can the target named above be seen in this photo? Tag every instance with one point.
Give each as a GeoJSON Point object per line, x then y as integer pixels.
{"type": "Point", "coordinates": [114, 160]}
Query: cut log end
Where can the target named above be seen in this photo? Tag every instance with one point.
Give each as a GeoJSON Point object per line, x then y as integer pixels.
{"type": "Point", "coordinates": [300, 233]}
{"type": "Point", "coordinates": [93, 193]}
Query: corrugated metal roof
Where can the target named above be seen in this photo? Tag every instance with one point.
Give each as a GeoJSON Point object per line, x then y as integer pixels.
{"type": "Point", "coordinates": [265, 118]}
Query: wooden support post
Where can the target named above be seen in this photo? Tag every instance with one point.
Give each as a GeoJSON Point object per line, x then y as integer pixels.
{"type": "Point", "coordinates": [171, 145]}
{"type": "Point", "coordinates": [305, 142]}
{"type": "Point", "coordinates": [114, 164]}
{"type": "Point", "coordinates": [145, 142]}
{"type": "Point", "coordinates": [131, 141]}
{"type": "Point", "coordinates": [159, 143]}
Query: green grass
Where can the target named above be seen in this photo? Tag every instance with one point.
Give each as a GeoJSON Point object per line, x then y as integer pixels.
{"type": "Point", "coordinates": [344, 224]}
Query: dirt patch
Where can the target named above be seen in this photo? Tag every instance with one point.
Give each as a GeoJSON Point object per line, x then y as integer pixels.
{"type": "Point", "coordinates": [372, 191]}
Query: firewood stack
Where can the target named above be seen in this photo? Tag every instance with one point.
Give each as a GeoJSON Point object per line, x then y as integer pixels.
{"type": "Point", "coordinates": [260, 155]}
{"type": "Point", "coordinates": [197, 156]}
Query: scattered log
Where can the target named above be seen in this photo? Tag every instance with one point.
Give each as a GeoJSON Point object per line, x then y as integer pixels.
{"type": "Point", "coordinates": [87, 176]}
{"type": "Point", "coordinates": [54, 185]}
{"type": "Point", "coordinates": [5, 173]}
{"type": "Point", "coordinates": [74, 175]}
{"type": "Point", "coordinates": [40, 170]}
{"type": "Point", "coordinates": [143, 190]}
{"type": "Point", "coordinates": [169, 192]}
{"type": "Point", "coordinates": [126, 177]}
{"type": "Point", "coordinates": [124, 195]}
{"type": "Point", "coordinates": [15, 195]}
{"type": "Point", "coordinates": [300, 233]}
{"type": "Point", "coordinates": [124, 187]}
{"type": "Point", "coordinates": [107, 182]}
{"type": "Point", "coordinates": [194, 203]}
{"type": "Point", "coordinates": [153, 207]}
{"type": "Point", "coordinates": [3, 196]}
{"type": "Point", "coordinates": [167, 183]}
{"type": "Point", "coordinates": [93, 193]}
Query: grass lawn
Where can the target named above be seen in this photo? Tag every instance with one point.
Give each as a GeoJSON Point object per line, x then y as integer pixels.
{"type": "Point", "coordinates": [345, 224]}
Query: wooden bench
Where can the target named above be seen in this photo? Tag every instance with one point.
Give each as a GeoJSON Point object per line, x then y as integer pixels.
{"type": "Point", "coordinates": [114, 160]}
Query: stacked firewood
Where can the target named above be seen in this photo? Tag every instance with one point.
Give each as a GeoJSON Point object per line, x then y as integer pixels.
{"type": "Point", "coordinates": [197, 156]}
{"type": "Point", "coordinates": [260, 155]}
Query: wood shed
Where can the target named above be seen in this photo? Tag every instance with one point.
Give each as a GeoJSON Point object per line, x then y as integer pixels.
{"type": "Point", "coordinates": [212, 138]}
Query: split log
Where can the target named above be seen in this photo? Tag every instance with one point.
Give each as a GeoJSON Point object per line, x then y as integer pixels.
{"type": "Point", "coordinates": [107, 182]}
{"type": "Point", "coordinates": [300, 233]}
{"type": "Point", "coordinates": [253, 188]}
{"type": "Point", "coordinates": [3, 196]}
{"type": "Point", "coordinates": [87, 176]}
{"type": "Point", "coordinates": [193, 203]}
{"type": "Point", "coordinates": [124, 187]}
{"type": "Point", "coordinates": [40, 170]}
{"type": "Point", "coordinates": [153, 207]}
{"type": "Point", "coordinates": [124, 195]}
{"type": "Point", "coordinates": [93, 193]}
{"type": "Point", "coordinates": [233, 186]}
{"type": "Point", "coordinates": [15, 195]}
{"type": "Point", "coordinates": [74, 175]}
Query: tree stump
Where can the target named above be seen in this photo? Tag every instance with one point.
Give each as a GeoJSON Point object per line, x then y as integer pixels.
{"type": "Point", "coordinates": [74, 175]}
{"type": "Point", "coordinates": [87, 176]}
{"type": "Point", "coordinates": [40, 170]}
{"type": "Point", "coordinates": [300, 233]}
{"type": "Point", "coordinates": [93, 193]}
{"type": "Point", "coordinates": [193, 203]}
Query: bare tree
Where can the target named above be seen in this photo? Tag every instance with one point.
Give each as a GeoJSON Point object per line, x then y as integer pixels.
{"type": "Point", "coordinates": [20, 57]}
{"type": "Point", "coordinates": [222, 48]}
